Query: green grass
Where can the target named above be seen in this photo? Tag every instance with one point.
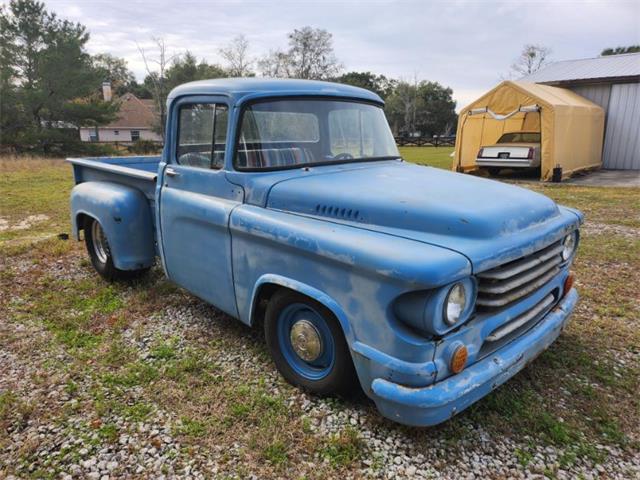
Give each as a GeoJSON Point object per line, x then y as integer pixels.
{"type": "Point", "coordinates": [191, 428]}
{"type": "Point", "coordinates": [138, 411]}
{"type": "Point", "coordinates": [108, 432]}
{"type": "Point", "coordinates": [343, 449]}
{"type": "Point", "coordinates": [435, 157]}
{"type": "Point", "coordinates": [164, 350]}
{"type": "Point", "coordinates": [617, 206]}
{"type": "Point", "coordinates": [276, 453]}
{"type": "Point", "coordinates": [134, 374]}
{"type": "Point", "coordinates": [34, 186]}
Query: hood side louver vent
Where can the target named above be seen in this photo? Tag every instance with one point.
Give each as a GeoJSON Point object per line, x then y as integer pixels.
{"type": "Point", "coordinates": [337, 212]}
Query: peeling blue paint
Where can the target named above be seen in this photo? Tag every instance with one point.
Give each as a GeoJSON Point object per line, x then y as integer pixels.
{"type": "Point", "coordinates": [437, 403]}
{"type": "Point", "coordinates": [359, 238]}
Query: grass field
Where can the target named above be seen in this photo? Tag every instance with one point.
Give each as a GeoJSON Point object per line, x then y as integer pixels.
{"type": "Point", "coordinates": [87, 367]}
{"type": "Point", "coordinates": [436, 157]}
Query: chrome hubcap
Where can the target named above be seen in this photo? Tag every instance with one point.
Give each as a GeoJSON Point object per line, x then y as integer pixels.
{"type": "Point", "coordinates": [100, 245]}
{"type": "Point", "coordinates": [306, 340]}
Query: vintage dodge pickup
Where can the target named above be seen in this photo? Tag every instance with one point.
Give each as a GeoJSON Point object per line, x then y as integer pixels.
{"type": "Point", "coordinates": [287, 202]}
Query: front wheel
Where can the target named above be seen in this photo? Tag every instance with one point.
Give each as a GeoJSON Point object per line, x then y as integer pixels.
{"type": "Point", "coordinates": [307, 344]}
{"type": "Point", "coordinates": [100, 253]}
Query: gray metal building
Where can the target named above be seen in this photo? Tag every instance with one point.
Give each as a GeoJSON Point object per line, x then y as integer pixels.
{"type": "Point", "coordinates": [613, 82]}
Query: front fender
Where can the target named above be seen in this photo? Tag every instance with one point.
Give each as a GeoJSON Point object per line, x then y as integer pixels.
{"type": "Point", "coordinates": [125, 216]}
{"type": "Point", "coordinates": [355, 272]}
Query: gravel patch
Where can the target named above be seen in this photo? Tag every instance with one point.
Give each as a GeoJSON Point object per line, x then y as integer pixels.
{"type": "Point", "coordinates": [390, 452]}
{"type": "Point", "coordinates": [593, 228]}
{"type": "Point", "coordinates": [60, 435]}
{"type": "Point", "coordinates": [23, 224]}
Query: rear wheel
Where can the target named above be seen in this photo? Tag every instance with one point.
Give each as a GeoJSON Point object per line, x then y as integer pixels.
{"type": "Point", "coordinates": [100, 253]}
{"type": "Point", "coordinates": [307, 344]}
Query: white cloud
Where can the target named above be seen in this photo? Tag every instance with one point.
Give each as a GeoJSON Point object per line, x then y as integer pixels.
{"type": "Point", "coordinates": [467, 45]}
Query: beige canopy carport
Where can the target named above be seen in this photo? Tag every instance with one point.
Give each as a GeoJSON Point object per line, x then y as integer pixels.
{"type": "Point", "coordinates": [571, 126]}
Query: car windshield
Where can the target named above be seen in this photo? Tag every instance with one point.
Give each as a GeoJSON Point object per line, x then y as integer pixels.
{"type": "Point", "coordinates": [298, 132]}
{"type": "Point", "coordinates": [520, 137]}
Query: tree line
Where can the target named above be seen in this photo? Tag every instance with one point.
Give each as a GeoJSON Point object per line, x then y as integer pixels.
{"type": "Point", "coordinates": [50, 86]}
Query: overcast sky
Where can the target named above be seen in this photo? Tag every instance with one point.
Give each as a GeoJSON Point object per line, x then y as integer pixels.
{"type": "Point", "coordinates": [466, 45]}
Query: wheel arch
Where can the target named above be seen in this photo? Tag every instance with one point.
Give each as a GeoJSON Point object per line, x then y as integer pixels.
{"type": "Point", "coordinates": [79, 223]}
{"type": "Point", "coordinates": [124, 214]}
{"type": "Point", "coordinates": [268, 284]}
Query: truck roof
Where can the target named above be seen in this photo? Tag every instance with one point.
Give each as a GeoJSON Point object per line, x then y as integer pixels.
{"type": "Point", "coordinates": [241, 89]}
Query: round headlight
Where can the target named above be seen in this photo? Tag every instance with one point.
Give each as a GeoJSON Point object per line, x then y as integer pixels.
{"type": "Point", "coordinates": [569, 245]}
{"type": "Point", "coordinates": [455, 303]}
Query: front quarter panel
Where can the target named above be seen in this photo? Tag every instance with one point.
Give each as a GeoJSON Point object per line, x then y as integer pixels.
{"type": "Point", "coordinates": [356, 273]}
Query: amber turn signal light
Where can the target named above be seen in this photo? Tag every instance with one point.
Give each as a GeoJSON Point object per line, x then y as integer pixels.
{"type": "Point", "coordinates": [459, 359]}
{"type": "Point", "coordinates": [568, 283]}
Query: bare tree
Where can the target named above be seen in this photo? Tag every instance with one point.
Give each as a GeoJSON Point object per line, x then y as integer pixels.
{"type": "Point", "coordinates": [406, 96]}
{"type": "Point", "coordinates": [310, 55]}
{"type": "Point", "coordinates": [156, 68]}
{"type": "Point", "coordinates": [400, 108]}
{"type": "Point", "coordinates": [531, 59]}
{"type": "Point", "coordinates": [236, 55]}
{"type": "Point", "coordinates": [276, 65]}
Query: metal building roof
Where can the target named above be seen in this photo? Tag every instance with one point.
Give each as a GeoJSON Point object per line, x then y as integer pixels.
{"type": "Point", "coordinates": [598, 69]}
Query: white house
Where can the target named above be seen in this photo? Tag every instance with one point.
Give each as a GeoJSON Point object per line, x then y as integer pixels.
{"type": "Point", "coordinates": [136, 119]}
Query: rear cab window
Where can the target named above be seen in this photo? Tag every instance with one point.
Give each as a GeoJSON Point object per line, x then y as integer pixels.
{"type": "Point", "coordinates": [202, 133]}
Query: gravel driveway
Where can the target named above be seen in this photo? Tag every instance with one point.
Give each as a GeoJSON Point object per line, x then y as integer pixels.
{"type": "Point", "coordinates": [70, 438]}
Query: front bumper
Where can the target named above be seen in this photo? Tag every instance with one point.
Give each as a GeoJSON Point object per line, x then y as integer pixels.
{"type": "Point", "coordinates": [438, 402]}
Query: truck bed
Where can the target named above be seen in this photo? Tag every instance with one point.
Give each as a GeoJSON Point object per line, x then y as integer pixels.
{"type": "Point", "coordinates": [139, 172]}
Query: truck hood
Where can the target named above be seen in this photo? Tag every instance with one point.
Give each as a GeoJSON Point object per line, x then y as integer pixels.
{"type": "Point", "coordinates": [488, 221]}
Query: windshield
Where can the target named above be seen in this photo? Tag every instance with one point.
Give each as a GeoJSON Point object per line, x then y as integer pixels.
{"type": "Point", "coordinates": [291, 133]}
{"type": "Point", "coordinates": [520, 137]}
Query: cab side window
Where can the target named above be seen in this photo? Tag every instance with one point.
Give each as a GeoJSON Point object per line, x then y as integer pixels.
{"type": "Point", "coordinates": [202, 133]}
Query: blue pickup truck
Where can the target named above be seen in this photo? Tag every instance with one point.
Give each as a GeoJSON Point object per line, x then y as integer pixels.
{"type": "Point", "coordinates": [286, 203]}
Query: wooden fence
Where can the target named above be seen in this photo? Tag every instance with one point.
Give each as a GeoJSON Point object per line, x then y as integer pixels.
{"type": "Point", "coordinates": [405, 141]}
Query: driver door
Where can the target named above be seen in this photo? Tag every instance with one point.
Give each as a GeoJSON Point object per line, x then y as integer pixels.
{"type": "Point", "coordinates": [195, 203]}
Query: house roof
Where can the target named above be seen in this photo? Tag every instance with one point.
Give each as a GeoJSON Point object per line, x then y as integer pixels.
{"type": "Point", "coordinates": [134, 113]}
{"type": "Point", "coordinates": [240, 89]}
{"type": "Point", "coordinates": [611, 67]}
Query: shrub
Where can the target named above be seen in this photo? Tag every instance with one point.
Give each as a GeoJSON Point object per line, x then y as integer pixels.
{"type": "Point", "coordinates": [145, 147]}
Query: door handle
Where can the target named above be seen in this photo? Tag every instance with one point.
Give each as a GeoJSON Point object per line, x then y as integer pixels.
{"type": "Point", "coordinates": [171, 172]}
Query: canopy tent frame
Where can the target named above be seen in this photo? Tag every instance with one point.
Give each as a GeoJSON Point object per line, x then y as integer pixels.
{"type": "Point", "coordinates": [524, 109]}
{"type": "Point", "coordinates": [496, 116]}
{"type": "Point", "coordinates": [571, 127]}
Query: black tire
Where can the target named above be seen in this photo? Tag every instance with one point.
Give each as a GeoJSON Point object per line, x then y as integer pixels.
{"type": "Point", "coordinates": [494, 171]}
{"type": "Point", "coordinates": [102, 261]}
{"type": "Point", "coordinates": [341, 377]}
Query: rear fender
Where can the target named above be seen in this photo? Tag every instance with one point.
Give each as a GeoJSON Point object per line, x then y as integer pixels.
{"type": "Point", "coordinates": [125, 216]}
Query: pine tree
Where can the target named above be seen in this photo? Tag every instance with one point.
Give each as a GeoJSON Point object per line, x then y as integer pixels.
{"type": "Point", "coordinates": [49, 83]}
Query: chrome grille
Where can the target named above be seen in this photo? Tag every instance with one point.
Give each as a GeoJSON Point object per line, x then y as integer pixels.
{"type": "Point", "coordinates": [501, 332]}
{"type": "Point", "coordinates": [517, 326]}
{"type": "Point", "coordinates": [512, 281]}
